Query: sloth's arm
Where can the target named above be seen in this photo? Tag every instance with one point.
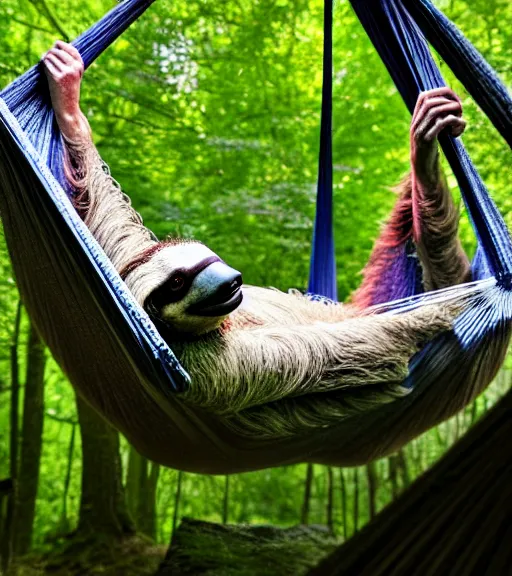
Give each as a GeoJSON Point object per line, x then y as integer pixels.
{"type": "Point", "coordinates": [424, 212]}
{"type": "Point", "coordinates": [96, 195]}
{"type": "Point", "coordinates": [250, 367]}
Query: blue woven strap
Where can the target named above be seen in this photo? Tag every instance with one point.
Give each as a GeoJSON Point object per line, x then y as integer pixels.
{"type": "Point", "coordinates": [403, 48]}
{"type": "Point", "coordinates": [322, 276]}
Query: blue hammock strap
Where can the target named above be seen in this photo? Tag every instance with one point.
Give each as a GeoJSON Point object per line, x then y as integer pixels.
{"type": "Point", "coordinates": [101, 35]}
{"type": "Point", "coordinates": [477, 76]}
{"type": "Point", "coordinates": [90, 44]}
{"type": "Point", "coordinates": [28, 97]}
{"type": "Point", "coordinates": [404, 51]}
{"type": "Point", "coordinates": [322, 276]}
{"type": "Point", "coordinates": [30, 132]}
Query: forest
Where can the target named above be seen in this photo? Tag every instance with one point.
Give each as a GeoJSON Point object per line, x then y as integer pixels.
{"type": "Point", "coordinates": [208, 113]}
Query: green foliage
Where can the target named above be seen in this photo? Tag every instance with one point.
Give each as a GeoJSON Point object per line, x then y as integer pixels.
{"type": "Point", "coordinates": [208, 114]}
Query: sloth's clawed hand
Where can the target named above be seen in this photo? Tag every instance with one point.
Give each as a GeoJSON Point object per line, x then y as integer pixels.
{"type": "Point", "coordinates": [64, 69]}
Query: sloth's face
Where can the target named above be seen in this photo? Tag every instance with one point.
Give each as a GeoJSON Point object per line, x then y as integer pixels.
{"type": "Point", "coordinates": [195, 291]}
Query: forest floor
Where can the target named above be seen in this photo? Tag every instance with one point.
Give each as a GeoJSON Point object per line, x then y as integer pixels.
{"type": "Point", "coordinates": [198, 548]}
{"type": "Point", "coordinates": [131, 556]}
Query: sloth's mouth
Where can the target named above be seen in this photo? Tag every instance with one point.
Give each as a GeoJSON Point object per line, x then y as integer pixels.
{"type": "Point", "coordinates": [222, 302]}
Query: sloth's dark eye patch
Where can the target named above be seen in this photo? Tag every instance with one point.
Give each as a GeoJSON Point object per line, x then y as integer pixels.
{"type": "Point", "coordinates": [175, 288]}
{"type": "Point", "coordinates": [177, 282]}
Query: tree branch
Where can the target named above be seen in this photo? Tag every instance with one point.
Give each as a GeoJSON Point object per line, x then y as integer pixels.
{"type": "Point", "coordinates": [61, 419]}
{"type": "Point", "coordinates": [44, 9]}
{"type": "Point", "coordinates": [32, 26]}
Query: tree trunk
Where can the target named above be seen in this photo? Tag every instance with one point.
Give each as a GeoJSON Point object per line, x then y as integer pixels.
{"type": "Point", "coordinates": [474, 412]}
{"type": "Point", "coordinates": [133, 483]}
{"type": "Point", "coordinates": [456, 428]}
{"type": "Point", "coordinates": [344, 504]}
{"type": "Point", "coordinates": [371, 475]}
{"type": "Point", "coordinates": [6, 545]}
{"type": "Point", "coordinates": [330, 500]}
{"type": "Point", "coordinates": [6, 487]}
{"type": "Point", "coordinates": [31, 445]}
{"type": "Point", "coordinates": [356, 500]}
{"type": "Point", "coordinates": [103, 511]}
{"type": "Point", "coordinates": [64, 514]}
{"type": "Point", "coordinates": [304, 517]}
{"type": "Point", "coordinates": [404, 468]}
{"type": "Point", "coordinates": [225, 503]}
{"type": "Point", "coordinates": [393, 475]}
{"type": "Point", "coordinates": [147, 504]}
{"type": "Point", "coordinates": [141, 492]}
{"type": "Point", "coordinates": [140, 512]}
{"type": "Point", "coordinates": [177, 500]}
{"type": "Point", "coordinates": [441, 440]}
{"type": "Point", "coordinates": [417, 455]}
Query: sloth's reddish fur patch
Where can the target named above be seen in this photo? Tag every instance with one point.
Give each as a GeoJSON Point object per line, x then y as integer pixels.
{"type": "Point", "coordinates": [146, 255]}
{"type": "Point", "coordinates": [142, 258]}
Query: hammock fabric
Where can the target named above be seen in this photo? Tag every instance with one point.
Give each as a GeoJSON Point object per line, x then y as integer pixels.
{"type": "Point", "coordinates": [114, 356]}
{"type": "Point", "coordinates": [453, 520]}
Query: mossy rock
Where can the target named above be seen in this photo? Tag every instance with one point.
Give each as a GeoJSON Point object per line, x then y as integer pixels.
{"type": "Point", "coordinates": [206, 549]}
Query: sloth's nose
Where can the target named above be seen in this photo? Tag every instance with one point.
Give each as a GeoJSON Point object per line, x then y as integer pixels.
{"type": "Point", "coordinates": [236, 282]}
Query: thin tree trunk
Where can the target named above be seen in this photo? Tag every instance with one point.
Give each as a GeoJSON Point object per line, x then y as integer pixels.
{"type": "Point", "coordinates": [330, 500]}
{"type": "Point", "coordinates": [133, 484]}
{"type": "Point", "coordinates": [474, 411]}
{"type": "Point", "coordinates": [344, 514]}
{"type": "Point", "coordinates": [404, 467]}
{"type": "Point", "coordinates": [177, 503]}
{"type": "Point", "coordinates": [393, 475]}
{"type": "Point", "coordinates": [417, 455]}
{"type": "Point", "coordinates": [306, 504]}
{"type": "Point", "coordinates": [6, 487]}
{"type": "Point", "coordinates": [67, 481]}
{"type": "Point", "coordinates": [146, 517]}
{"type": "Point", "coordinates": [140, 512]}
{"type": "Point", "coordinates": [6, 546]}
{"type": "Point", "coordinates": [141, 492]}
{"type": "Point", "coordinates": [103, 509]}
{"type": "Point", "coordinates": [154, 475]}
{"type": "Point", "coordinates": [356, 500]}
{"type": "Point", "coordinates": [441, 440]}
{"type": "Point", "coordinates": [456, 428]}
{"type": "Point", "coordinates": [371, 475]}
{"type": "Point", "coordinates": [31, 445]}
{"type": "Point", "coordinates": [225, 503]}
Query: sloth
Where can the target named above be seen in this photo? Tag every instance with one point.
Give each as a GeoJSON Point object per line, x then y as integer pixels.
{"type": "Point", "coordinates": [245, 346]}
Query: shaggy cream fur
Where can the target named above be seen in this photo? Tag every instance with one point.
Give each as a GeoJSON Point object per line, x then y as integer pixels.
{"type": "Point", "coordinates": [276, 348]}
